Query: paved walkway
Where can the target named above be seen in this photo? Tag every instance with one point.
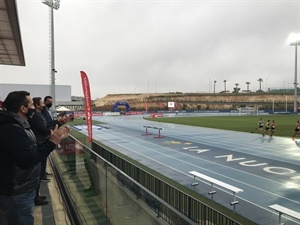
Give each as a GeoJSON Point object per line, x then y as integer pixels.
{"type": "Point", "coordinates": [53, 213]}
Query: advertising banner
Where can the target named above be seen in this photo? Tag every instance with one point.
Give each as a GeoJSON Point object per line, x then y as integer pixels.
{"type": "Point", "coordinates": [87, 100]}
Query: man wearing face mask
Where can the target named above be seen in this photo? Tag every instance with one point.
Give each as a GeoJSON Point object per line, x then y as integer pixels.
{"type": "Point", "coordinates": [51, 122]}
{"type": "Point", "coordinates": [42, 133]}
{"type": "Point", "coordinates": [47, 113]}
{"type": "Point", "coordinates": [20, 158]}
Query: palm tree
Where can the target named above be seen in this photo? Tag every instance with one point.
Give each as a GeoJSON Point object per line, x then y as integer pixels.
{"type": "Point", "coordinates": [236, 89]}
{"type": "Point", "coordinates": [260, 80]}
{"type": "Point", "coordinates": [225, 85]}
{"type": "Point", "coordinates": [215, 86]}
{"type": "Point", "coordinates": [248, 83]}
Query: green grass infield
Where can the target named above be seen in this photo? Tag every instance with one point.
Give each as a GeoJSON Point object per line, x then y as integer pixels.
{"type": "Point", "coordinates": [285, 124]}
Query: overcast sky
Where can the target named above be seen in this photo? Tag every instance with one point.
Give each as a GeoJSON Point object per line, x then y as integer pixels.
{"type": "Point", "coordinates": [159, 46]}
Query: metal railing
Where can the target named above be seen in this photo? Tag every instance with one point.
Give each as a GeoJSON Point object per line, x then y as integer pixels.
{"type": "Point", "coordinates": [98, 192]}
{"type": "Point", "coordinates": [187, 205]}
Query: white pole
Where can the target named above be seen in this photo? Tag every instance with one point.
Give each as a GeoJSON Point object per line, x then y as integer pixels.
{"type": "Point", "coordinates": [286, 104]}
{"type": "Point", "coordinates": [295, 83]}
{"type": "Point", "coordinates": [53, 4]}
{"type": "Point", "coordinates": [148, 86]}
{"type": "Point", "coordinates": [52, 64]}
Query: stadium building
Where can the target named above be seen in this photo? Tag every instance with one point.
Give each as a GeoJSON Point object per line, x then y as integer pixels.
{"type": "Point", "coordinates": [62, 93]}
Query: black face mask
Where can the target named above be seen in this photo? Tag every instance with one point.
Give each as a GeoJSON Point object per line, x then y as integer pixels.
{"type": "Point", "coordinates": [30, 113]}
{"type": "Point", "coordinates": [49, 105]}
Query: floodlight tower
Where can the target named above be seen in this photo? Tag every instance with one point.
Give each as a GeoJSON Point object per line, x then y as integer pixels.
{"type": "Point", "coordinates": [53, 4]}
{"type": "Point", "coordinates": [294, 40]}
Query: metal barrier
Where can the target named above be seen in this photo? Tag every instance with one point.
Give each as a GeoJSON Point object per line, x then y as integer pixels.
{"type": "Point", "coordinates": [213, 182]}
{"type": "Point", "coordinates": [98, 192]}
{"type": "Point", "coordinates": [283, 210]}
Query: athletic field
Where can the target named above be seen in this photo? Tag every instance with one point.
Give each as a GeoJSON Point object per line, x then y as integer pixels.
{"type": "Point", "coordinates": [285, 124]}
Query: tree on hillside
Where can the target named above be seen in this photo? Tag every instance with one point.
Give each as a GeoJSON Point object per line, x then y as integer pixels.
{"type": "Point", "coordinates": [236, 89]}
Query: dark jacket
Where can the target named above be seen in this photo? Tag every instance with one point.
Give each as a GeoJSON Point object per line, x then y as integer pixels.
{"type": "Point", "coordinates": [50, 122]}
{"type": "Point", "coordinates": [39, 127]}
{"type": "Point", "coordinates": [19, 155]}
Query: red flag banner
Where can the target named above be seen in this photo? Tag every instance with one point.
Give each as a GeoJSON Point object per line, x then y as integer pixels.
{"type": "Point", "coordinates": [87, 100]}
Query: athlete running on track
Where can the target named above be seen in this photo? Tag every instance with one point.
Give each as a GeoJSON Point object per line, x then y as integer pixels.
{"type": "Point", "coordinates": [261, 126]}
{"type": "Point", "coordinates": [297, 129]}
{"type": "Point", "coordinates": [267, 127]}
{"type": "Point", "coordinates": [273, 126]}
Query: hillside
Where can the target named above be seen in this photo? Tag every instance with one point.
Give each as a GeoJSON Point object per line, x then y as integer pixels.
{"type": "Point", "coordinates": [195, 100]}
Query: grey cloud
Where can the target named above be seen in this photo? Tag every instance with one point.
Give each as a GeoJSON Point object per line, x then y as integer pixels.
{"type": "Point", "coordinates": [179, 46]}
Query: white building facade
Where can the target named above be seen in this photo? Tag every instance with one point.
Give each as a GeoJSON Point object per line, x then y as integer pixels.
{"type": "Point", "coordinates": [62, 92]}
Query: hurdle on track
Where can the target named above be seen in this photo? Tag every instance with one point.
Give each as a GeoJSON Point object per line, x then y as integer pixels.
{"type": "Point", "coordinates": [159, 129]}
{"type": "Point", "coordinates": [147, 133]}
{"type": "Point", "coordinates": [156, 128]}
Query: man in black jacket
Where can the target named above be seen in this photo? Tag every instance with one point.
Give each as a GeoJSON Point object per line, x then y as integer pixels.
{"type": "Point", "coordinates": [20, 159]}
{"type": "Point", "coordinates": [51, 123]}
{"type": "Point", "coordinates": [38, 124]}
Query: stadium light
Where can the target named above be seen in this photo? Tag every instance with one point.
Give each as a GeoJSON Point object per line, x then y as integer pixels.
{"type": "Point", "coordinates": [294, 40]}
{"type": "Point", "coordinates": [53, 4]}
